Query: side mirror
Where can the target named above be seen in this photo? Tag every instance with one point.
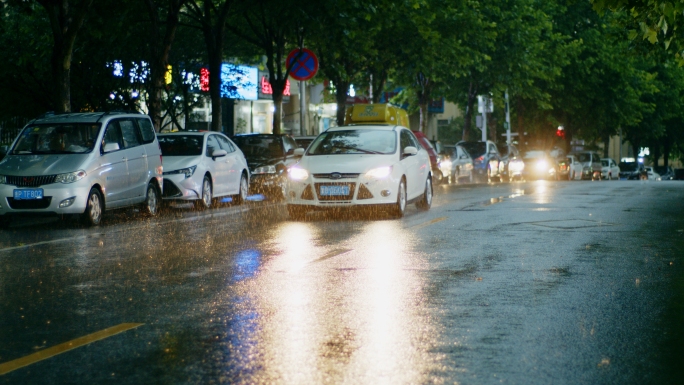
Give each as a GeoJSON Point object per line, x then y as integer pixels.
{"type": "Point", "coordinates": [290, 151]}
{"type": "Point", "coordinates": [410, 151]}
{"type": "Point", "coordinates": [109, 147]}
{"type": "Point", "coordinates": [218, 153]}
{"type": "Point", "coordinates": [299, 152]}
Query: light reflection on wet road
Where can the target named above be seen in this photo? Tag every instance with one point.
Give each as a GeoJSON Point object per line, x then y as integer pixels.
{"type": "Point", "coordinates": [520, 283]}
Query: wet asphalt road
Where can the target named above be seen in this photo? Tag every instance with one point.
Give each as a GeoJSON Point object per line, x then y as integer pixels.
{"type": "Point", "coordinates": [522, 283]}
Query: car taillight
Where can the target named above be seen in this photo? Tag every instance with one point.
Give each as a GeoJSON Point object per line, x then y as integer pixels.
{"type": "Point", "coordinates": [479, 159]}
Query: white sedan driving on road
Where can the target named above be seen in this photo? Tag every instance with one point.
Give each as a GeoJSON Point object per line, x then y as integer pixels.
{"type": "Point", "coordinates": [200, 166]}
{"type": "Point", "coordinates": [361, 165]}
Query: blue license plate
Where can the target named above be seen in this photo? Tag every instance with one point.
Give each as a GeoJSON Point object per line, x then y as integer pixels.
{"type": "Point", "coordinates": [34, 193]}
{"type": "Point", "coordinates": [334, 190]}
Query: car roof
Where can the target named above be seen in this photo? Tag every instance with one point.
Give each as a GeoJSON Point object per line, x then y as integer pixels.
{"type": "Point", "coordinates": [83, 117]}
{"type": "Point", "coordinates": [198, 133]}
{"type": "Point", "coordinates": [379, 127]}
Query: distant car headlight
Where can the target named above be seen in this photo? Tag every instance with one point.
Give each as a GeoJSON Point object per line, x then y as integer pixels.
{"type": "Point", "coordinates": [446, 163]}
{"type": "Point", "coordinates": [542, 165]}
{"type": "Point", "coordinates": [380, 172]}
{"type": "Point", "coordinates": [187, 171]}
{"type": "Point", "coordinates": [70, 177]}
{"type": "Point", "coordinates": [265, 170]}
{"type": "Point", "coordinates": [297, 173]}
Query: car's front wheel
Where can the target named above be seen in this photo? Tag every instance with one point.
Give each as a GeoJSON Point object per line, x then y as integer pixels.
{"type": "Point", "coordinates": [151, 205]}
{"type": "Point", "coordinates": [399, 208]}
{"type": "Point", "coordinates": [205, 201]}
{"type": "Point", "coordinates": [241, 197]}
{"type": "Point", "coordinates": [426, 201]}
{"type": "Point", "coordinates": [92, 216]}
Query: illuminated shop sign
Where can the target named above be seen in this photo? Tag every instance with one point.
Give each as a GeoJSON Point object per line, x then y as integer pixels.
{"type": "Point", "coordinates": [237, 81]}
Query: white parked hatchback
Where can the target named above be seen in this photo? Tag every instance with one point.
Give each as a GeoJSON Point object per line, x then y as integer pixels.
{"type": "Point", "coordinates": [82, 164]}
{"type": "Point", "coordinates": [361, 165]}
{"type": "Point", "coordinates": [201, 166]}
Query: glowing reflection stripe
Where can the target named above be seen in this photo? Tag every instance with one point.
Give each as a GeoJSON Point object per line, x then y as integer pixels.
{"type": "Point", "coordinates": [332, 254]}
{"type": "Point", "coordinates": [65, 347]}
{"type": "Point", "coordinates": [432, 222]}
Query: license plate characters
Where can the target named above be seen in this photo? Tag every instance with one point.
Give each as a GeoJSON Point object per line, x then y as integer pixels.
{"type": "Point", "coordinates": [34, 193]}
{"type": "Point", "coordinates": [334, 190]}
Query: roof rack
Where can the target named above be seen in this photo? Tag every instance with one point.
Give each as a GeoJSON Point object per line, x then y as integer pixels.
{"type": "Point", "coordinates": [117, 112]}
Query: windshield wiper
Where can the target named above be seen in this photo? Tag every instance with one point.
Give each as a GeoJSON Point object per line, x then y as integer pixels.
{"type": "Point", "coordinates": [358, 149]}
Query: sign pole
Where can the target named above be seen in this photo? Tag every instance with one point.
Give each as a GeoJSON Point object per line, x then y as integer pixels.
{"type": "Point", "coordinates": [302, 107]}
{"type": "Point", "coordinates": [508, 121]}
{"type": "Point", "coordinates": [484, 118]}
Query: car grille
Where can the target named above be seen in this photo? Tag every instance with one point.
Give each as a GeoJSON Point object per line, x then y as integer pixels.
{"type": "Point", "coordinates": [30, 181]}
{"type": "Point", "coordinates": [29, 204]}
{"type": "Point", "coordinates": [336, 175]}
{"type": "Point", "coordinates": [170, 189]}
{"type": "Point", "coordinates": [335, 197]}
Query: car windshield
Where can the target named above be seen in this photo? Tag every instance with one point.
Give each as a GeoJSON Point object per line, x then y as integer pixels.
{"type": "Point", "coordinates": [475, 149]}
{"type": "Point", "coordinates": [604, 163]}
{"type": "Point", "coordinates": [534, 155]}
{"type": "Point", "coordinates": [260, 146]}
{"type": "Point", "coordinates": [584, 158]}
{"type": "Point", "coordinates": [354, 142]}
{"type": "Point", "coordinates": [63, 138]}
{"type": "Point", "coordinates": [181, 145]}
{"type": "Point", "coordinates": [628, 166]}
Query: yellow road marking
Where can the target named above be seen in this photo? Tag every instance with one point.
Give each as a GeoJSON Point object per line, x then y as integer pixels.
{"type": "Point", "coordinates": [432, 222]}
{"type": "Point", "coordinates": [65, 347]}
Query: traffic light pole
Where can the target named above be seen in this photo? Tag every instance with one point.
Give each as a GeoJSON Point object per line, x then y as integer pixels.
{"type": "Point", "coordinates": [508, 121]}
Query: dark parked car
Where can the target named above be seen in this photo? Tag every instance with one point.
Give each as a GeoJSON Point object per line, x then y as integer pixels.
{"type": "Point", "coordinates": [304, 141]}
{"type": "Point", "coordinates": [487, 163]}
{"type": "Point", "coordinates": [632, 171]}
{"type": "Point", "coordinates": [268, 157]}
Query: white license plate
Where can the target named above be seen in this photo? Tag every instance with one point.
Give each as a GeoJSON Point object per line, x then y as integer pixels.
{"type": "Point", "coordinates": [34, 193]}
{"type": "Point", "coordinates": [334, 190]}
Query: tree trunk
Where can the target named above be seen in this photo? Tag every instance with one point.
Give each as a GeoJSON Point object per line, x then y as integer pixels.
{"type": "Point", "coordinates": [66, 20]}
{"type": "Point", "coordinates": [666, 152]}
{"type": "Point", "coordinates": [468, 119]}
{"type": "Point", "coordinates": [159, 56]}
{"type": "Point", "coordinates": [215, 88]}
{"type": "Point", "coordinates": [341, 88]}
{"type": "Point", "coordinates": [278, 113]}
{"type": "Point", "coordinates": [606, 145]}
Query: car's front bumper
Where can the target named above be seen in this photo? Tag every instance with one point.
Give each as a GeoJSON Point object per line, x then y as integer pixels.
{"type": "Point", "coordinates": [54, 195]}
{"type": "Point", "coordinates": [362, 192]}
{"type": "Point", "coordinates": [178, 187]}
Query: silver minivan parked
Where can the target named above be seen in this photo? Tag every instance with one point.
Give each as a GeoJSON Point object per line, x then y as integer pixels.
{"type": "Point", "coordinates": [82, 164]}
{"type": "Point", "coordinates": [591, 164]}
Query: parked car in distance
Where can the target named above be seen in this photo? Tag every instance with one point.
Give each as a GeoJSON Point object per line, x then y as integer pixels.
{"type": "Point", "coordinates": [609, 169]}
{"type": "Point", "coordinates": [201, 166]}
{"type": "Point", "coordinates": [632, 170]}
{"type": "Point", "coordinates": [574, 168]}
{"type": "Point", "coordinates": [457, 164]}
{"type": "Point", "coordinates": [435, 158]}
{"type": "Point", "coordinates": [269, 156]}
{"type": "Point", "coordinates": [513, 165]}
{"type": "Point", "coordinates": [591, 164]}
{"type": "Point", "coordinates": [539, 165]}
{"type": "Point", "coordinates": [486, 160]}
{"type": "Point", "coordinates": [666, 172]}
{"type": "Point", "coordinates": [82, 164]}
{"type": "Point", "coordinates": [304, 141]}
{"type": "Point", "coordinates": [651, 174]}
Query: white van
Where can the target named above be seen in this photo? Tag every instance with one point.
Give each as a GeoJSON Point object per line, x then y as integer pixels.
{"type": "Point", "coordinates": [82, 164]}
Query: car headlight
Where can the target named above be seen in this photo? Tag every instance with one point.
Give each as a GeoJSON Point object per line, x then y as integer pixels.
{"type": "Point", "coordinates": [187, 171]}
{"type": "Point", "coordinates": [265, 170]}
{"type": "Point", "coordinates": [297, 173]}
{"type": "Point", "coordinates": [380, 172]}
{"type": "Point", "coordinates": [70, 177]}
{"type": "Point", "coordinates": [542, 165]}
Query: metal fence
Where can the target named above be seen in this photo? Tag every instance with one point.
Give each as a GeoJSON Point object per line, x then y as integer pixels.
{"type": "Point", "coordinates": [9, 129]}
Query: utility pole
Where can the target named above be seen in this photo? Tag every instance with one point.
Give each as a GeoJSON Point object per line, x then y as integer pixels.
{"type": "Point", "coordinates": [302, 107]}
{"type": "Point", "coordinates": [508, 121]}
